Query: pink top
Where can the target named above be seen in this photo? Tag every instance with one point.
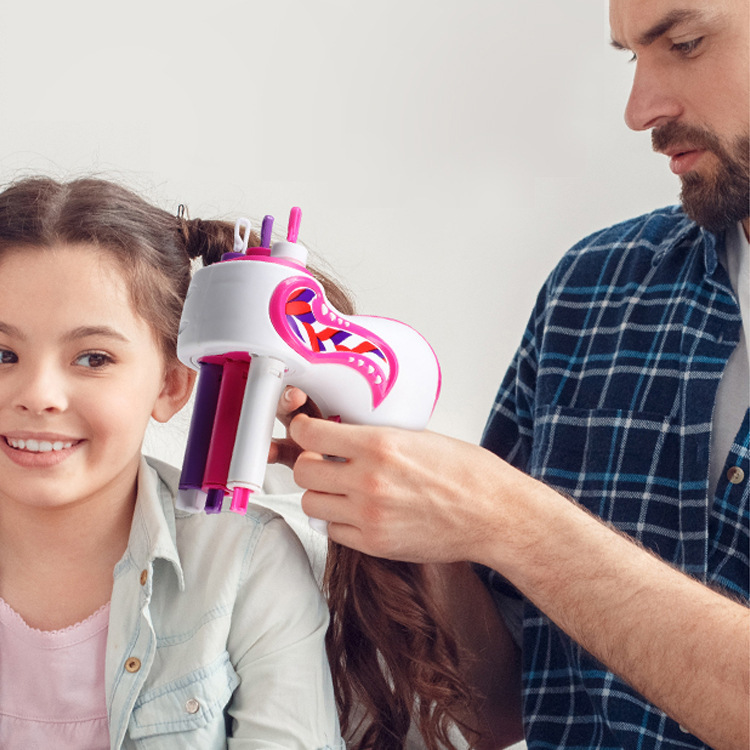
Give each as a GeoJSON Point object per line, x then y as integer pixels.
{"type": "Point", "coordinates": [52, 684]}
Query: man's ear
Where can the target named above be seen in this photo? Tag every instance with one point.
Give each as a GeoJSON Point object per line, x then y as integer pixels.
{"type": "Point", "coordinates": [178, 385]}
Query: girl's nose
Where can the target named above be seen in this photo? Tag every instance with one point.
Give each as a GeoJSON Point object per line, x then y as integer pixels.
{"type": "Point", "coordinates": [41, 390]}
{"type": "Point", "coordinates": [652, 101]}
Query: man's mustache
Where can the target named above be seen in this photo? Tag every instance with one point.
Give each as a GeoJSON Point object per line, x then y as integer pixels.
{"type": "Point", "coordinates": [679, 134]}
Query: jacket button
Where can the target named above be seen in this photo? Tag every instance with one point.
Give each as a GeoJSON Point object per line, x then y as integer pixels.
{"type": "Point", "coordinates": [192, 706]}
{"type": "Point", "coordinates": [735, 475]}
{"type": "Point", "coordinates": [144, 577]}
{"type": "Point", "coordinates": [133, 664]}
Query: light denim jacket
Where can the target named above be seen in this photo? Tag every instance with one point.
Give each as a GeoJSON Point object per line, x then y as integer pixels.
{"type": "Point", "coordinates": [216, 632]}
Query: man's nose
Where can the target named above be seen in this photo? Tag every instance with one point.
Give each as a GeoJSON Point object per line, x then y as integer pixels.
{"type": "Point", "coordinates": [653, 100]}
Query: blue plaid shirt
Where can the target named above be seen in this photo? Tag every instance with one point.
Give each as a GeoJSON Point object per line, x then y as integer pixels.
{"type": "Point", "coordinates": [610, 399]}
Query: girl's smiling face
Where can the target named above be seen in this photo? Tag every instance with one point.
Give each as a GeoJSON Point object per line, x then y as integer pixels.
{"type": "Point", "coordinates": [81, 373]}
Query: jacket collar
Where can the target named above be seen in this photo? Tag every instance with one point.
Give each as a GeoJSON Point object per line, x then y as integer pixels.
{"type": "Point", "coordinates": [152, 533]}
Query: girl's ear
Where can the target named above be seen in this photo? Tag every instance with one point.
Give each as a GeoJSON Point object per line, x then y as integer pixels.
{"type": "Point", "coordinates": [176, 390]}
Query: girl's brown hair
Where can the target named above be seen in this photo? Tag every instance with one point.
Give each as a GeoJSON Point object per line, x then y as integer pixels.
{"type": "Point", "coordinates": [389, 647]}
{"type": "Point", "coordinates": [152, 246]}
{"type": "Point", "coordinates": [392, 652]}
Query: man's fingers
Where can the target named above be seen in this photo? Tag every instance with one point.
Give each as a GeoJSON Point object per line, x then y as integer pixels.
{"type": "Point", "coordinates": [323, 436]}
{"type": "Point", "coordinates": [337, 510]}
{"type": "Point", "coordinates": [348, 536]}
{"type": "Point", "coordinates": [320, 473]}
{"type": "Point", "coordinates": [293, 401]}
{"type": "Point", "coordinates": [345, 522]}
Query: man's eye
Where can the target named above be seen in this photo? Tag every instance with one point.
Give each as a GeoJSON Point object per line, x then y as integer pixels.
{"type": "Point", "coordinates": [94, 360]}
{"type": "Point", "coordinates": [7, 357]}
{"type": "Point", "coordinates": [687, 48]}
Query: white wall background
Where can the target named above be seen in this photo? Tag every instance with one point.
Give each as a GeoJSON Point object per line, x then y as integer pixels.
{"type": "Point", "coordinates": [445, 153]}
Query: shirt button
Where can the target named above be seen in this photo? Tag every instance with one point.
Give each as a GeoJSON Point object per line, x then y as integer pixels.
{"type": "Point", "coordinates": [144, 577]}
{"type": "Point", "coordinates": [133, 664]}
{"type": "Point", "coordinates": [192, 706]}
{"type": "Point", "coordinates": [735, 475]}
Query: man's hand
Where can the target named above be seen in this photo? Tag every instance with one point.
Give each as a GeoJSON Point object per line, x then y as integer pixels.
{"type": "Point", "coordinates": [293, 401]}
{"type": "Point", "coordinates": [413, 496]}
{"type": "Point", "coordinates": [422, 497]}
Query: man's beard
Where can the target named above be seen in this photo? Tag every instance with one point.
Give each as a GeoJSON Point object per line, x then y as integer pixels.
{"type": "Point", "coordinates": [716, 200]}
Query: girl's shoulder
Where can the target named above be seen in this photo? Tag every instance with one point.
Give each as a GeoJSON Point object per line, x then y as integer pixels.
{"type": "Point", "coordinates": [233, 541]}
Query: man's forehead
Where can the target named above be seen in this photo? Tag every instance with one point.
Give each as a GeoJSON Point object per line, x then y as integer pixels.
{"type": "Point", "coordinates": [635, 22]}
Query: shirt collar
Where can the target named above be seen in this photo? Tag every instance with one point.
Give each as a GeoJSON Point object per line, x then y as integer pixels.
{"type": "Point", "coordinates": [152, 533]}
{"type": "Point", "coordinates": [712, 244]}
{"type": "Point", "coordinates": [687, 235]}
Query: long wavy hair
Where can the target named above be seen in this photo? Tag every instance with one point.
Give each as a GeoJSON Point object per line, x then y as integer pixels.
{"type": "Point", "coordinates": [393, 656]}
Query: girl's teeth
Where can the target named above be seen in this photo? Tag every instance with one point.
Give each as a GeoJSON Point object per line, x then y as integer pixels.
{"type": "Point", "coordinates": [38, 446]}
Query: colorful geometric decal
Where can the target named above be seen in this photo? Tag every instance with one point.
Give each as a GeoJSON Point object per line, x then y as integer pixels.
{"type": "Point", "coordinates": [303, 317]}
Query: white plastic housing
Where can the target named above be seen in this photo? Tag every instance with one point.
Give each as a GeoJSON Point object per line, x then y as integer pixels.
{"type": "Point", "coordinates": [227, 310]}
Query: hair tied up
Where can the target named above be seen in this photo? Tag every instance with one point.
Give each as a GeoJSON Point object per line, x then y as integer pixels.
{"type": "Point", "coordinates": [207, 240]}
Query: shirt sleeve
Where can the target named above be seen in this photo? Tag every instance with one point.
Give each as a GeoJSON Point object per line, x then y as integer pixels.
{"type": "Point", "coordinates": [510, 426]}
{"type": "Point", "coordinates": [285, 697]}
{"type": "Point", "coordinates": [509, 435]}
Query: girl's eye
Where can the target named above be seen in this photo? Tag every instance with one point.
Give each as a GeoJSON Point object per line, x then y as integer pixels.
{"type": "Point", "coordinates": [7, 357]}
{"type": "Point", "coordinates": [94, 360]}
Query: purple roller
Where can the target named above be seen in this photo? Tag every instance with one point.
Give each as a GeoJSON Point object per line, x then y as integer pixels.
{"type": "Point", "coordinates": [190, 496]}
{"type": "Point", "coordinates": [265, 231]}
{"type": "Point", "coordinates": [214, 500]}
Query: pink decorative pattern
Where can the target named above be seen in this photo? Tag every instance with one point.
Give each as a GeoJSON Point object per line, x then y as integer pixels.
{"type": "Point", "coordinates": [306, 321]}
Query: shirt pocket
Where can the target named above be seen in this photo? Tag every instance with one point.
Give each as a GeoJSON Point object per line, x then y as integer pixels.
{"type": "Point", "coordinates": [624, 466]}
{"type": "Point", "coordinates": [189, 708]}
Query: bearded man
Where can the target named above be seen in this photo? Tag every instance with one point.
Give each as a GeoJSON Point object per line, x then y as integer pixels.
{"type": "Point", "coordinates": [606, 512]}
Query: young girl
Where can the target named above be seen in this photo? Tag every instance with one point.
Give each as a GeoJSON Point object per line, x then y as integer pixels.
{"type": "Point", "coordinates": [125, 623]}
